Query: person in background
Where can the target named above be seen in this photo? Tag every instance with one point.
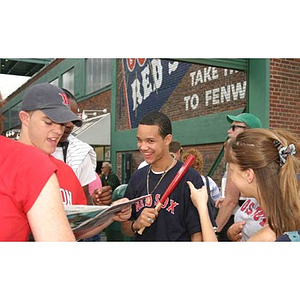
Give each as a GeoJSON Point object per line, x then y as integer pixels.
{"type": "Point", "coordinates": [96, 184]}
{"type": "Point", "coordinates": [142, 164]}
{"type": "Point", "coordinates": [264, 165]}
{"type": "Point", "coordinates": [177, 220]}
{"type": "Point", "coordinates": [175, 149]}
{"type": "Point", "coordinates": [35, 204]}
{"type": "Point", "coordinates": [82, 158]}
{"type": "Point", "coordinates": [198, 165]}
{"type": "Point", "coordinates": [234, 220]}
{"type": "Point", "coordinates": [109, 178]}
{"type": "Point", "coordinates": [209, 182]}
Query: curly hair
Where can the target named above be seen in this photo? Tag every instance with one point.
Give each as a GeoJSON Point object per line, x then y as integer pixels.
{"type": "Point", "coordinates": [198, 162]}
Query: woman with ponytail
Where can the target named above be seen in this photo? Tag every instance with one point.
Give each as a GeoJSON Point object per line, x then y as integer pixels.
{"type": "Point", "coordinates": [264, 165]}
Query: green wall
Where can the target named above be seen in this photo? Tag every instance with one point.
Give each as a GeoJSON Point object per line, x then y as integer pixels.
{"type": "Point", "coordinates": [201, 130]}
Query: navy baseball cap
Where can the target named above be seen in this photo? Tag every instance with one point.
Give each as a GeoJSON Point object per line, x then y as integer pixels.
{"type": "Point", "coordinates": [52, 101]}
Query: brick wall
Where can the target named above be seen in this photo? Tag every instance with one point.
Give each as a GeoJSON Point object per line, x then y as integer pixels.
{"type": "Point", "coordinates": [199, 82]}
{"type": "Point", "coordinates": [285, 94]}
{"type": "Point", "coordinates": [99, 101]}
{"type": "Point", "coordinates": [284, 109]}
{"type": "Point", "coordinates": [193, 91]}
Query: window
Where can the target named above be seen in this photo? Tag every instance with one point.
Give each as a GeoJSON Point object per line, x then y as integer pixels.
{"type": "Point", "coordinates": [99, 151]}
{"type": "Point", "coordinates": [98, 74]}
{"type": "Point", "coordinates": [107, 153]}
{"type": "Point", "coordinates": [68, 80]}
{"type": "Point", "coordinates": [54, 82]}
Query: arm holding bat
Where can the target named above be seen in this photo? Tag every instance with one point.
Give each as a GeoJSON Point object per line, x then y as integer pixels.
{"type": "Point", "coordinates": [181, 220]}
{"type": "Point", "coordinates": [149, 215]}
{"type": "Point", "coordinates": [146, 218]}
{"type": "Point", "coordinates": [167, 193]}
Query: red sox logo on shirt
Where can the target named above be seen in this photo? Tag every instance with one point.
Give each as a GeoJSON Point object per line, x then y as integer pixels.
{"type": "Point", "coordinates": [64, 99]}
{"type": "Point", "coordinates": [169, 205]}
{"type": "Point", "coordinates": [66, 196]}
{"type": "Point", "coordinates": [256, 213]}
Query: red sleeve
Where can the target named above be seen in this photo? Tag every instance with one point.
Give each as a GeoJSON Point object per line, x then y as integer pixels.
{"type": "Point", "coordinates": [35, 169]}
{"type": "Point", "coordinates": [70, 187]}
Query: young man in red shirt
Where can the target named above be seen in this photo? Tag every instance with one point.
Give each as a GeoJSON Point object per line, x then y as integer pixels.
{"type": "Point", "coordinates": [44, 113]}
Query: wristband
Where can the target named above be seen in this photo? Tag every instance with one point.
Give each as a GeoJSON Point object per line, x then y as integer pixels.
{"type": "Point", "coordinates": [131, 226]}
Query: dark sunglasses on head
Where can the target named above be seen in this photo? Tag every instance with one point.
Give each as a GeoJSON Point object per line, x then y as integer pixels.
{"type": "Point", "coordinates": [233, 127]}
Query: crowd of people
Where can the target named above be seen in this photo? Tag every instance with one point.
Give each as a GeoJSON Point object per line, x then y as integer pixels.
{"type": "Point", "coordinates": [258, 200]}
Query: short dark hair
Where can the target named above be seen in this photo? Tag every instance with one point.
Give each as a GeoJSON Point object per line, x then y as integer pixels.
{"type": "Point", "coordinates": [174, 146]}
{"type": "Point", "coordinates": [159, 119]}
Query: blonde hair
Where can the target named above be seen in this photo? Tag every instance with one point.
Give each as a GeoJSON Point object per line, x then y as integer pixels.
{"type": "Point", "coordinates": [198, 162]}
{"type": "Point", "coordinates": [278, 187]}
{"type": "Point", "coordinates": [107, 165]}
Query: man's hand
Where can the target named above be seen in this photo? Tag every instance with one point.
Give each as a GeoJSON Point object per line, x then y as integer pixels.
{"type": "Point", "coordinates": [146, 218]}
{"type": "Point", "coordinates": [234, 232]}
{"type": "Point", "coordinates": [102, 196]}
{"type": "Point", "coordinates": [124, 214]}
{"type": "Point", "coordinates": [219, 202]}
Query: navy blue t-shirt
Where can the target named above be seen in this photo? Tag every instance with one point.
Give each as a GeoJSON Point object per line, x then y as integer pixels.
{"type": "Point", "coordinates": [178, 218]}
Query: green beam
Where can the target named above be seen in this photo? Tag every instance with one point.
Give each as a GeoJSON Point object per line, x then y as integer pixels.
{"type": "Point", "coordinates": [113, 106]}
{"type": "Point", "coordinates": [43, 61]}
{"type": "Point", "coordinates": [259, 89]}
{"type": "Point", "coordinates": [199, 130]}
{"type": "Point", "coordinates": [236, 64]}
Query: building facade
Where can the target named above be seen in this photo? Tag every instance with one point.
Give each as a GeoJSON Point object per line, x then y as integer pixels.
{"type": "Point", "coordinates": [197, 95]}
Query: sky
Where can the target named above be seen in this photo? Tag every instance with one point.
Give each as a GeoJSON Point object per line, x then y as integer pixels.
{"type": "Point", "coordinates": [9, 83]}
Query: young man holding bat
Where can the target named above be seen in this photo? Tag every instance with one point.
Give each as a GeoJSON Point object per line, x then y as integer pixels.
{"type": "Point", "coordinates": [177, 218]}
